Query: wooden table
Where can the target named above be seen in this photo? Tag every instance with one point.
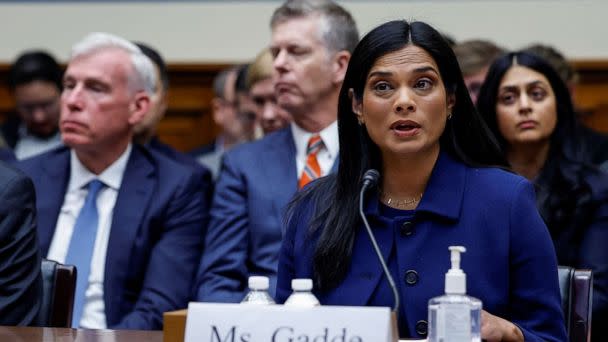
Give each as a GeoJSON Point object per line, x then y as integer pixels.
{"type": "Point", "coordinates": [31, 334]}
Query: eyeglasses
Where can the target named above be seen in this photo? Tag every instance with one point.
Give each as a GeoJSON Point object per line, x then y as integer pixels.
{"type": "Point", "coordinates": [30, 107]}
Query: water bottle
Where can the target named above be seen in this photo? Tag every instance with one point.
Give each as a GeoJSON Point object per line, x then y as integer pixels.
{"type": "Point", "coordinates": [302, 295]}
{"type": "Point", "coordinates": [258, 291]}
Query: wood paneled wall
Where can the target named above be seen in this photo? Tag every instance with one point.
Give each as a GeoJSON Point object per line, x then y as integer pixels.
{"type": "Point", "coordinates": [188, 122]}
{"type": "Point", "coordinates": [591, 93]}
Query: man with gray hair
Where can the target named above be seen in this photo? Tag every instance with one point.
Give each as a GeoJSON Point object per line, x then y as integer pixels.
{"type": "Point", "coordinates": [311, 46]}
{"type": "Point", "coordinates": [130, 219]}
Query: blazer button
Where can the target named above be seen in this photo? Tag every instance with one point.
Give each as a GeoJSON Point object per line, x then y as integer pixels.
{"type": "Point", "coordinates": [411, 277]}
{"type": "Point", "coordinates": [407, 228]}
{"type": "Point", "coordinates": [422, 327]}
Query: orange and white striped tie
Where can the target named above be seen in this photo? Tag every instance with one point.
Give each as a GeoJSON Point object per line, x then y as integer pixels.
{"type": "Point", "coordinates": [312, 170]}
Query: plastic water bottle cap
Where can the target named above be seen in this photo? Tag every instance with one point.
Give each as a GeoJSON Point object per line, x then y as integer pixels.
{"type": "Point", "coordinates": [258, 283]}
{"type": "Point", "coordinates": [301, 284]}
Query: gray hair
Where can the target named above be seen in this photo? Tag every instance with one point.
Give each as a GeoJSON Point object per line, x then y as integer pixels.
{"type": "Point", "coordinates": [144, 77]}
{"type": "Point", "coordinates": [338, 29]}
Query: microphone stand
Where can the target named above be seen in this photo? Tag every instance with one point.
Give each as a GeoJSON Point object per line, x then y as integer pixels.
{"type": "Point", "coordinates": [370, 178]}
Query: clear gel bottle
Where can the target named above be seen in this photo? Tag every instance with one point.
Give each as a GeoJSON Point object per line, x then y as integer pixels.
{"type": "Point", "coordinates": [258, 291]}
{"type": "Point", "coordinates": [302, 294]}
{"type": "Point", "coordinates": [455, 317]}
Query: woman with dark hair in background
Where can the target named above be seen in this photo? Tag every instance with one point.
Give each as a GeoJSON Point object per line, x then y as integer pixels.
{"type": "Point", "coordinates": [404, 111]}
{"type": "Point", "coordinates": [528, 106]}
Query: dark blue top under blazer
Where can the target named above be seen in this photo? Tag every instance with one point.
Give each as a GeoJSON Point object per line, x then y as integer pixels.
{"type": "Point", "coordinates": [256, 182]}
{"type": "Point", "coordinates": [510, 261]}
{"type": "Point", "coordinates": [156, 236]}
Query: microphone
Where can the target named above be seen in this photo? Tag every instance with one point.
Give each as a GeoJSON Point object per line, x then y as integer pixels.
{"type": "Point", "coordinates": [370, 178]}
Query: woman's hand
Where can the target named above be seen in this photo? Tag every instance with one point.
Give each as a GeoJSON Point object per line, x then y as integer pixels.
{"type": "Point", "coordinates": [496, 329]}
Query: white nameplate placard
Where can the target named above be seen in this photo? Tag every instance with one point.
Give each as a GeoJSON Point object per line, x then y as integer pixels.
{"type": "Point", "coordinates": [208, 322]}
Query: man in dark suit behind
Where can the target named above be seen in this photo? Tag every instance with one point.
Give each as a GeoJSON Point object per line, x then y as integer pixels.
{"type": "Point", "coordinates": [258, 179]}
{"type": "Point", "coordinates": [131, 219]}
{"type": "Point", "coordinates": [20, 282]}
{"type": "Point", "coordinates": [145, 131]}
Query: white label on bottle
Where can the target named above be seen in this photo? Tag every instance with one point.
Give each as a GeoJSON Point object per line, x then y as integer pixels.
{"type": "Point", "coordinates": [454, 323]}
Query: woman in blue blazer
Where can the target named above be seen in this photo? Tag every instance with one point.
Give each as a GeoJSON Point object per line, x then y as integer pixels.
{"type": "Point", "coordinates": [528, 107]}
{"type": "Point", "coordinates": [404, 110]}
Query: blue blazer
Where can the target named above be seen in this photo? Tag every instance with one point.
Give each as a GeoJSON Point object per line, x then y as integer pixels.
{"type": "Point", "coordinates": [156, 236]}
{"type": "Point", "coordinates": [256, 182]}
{"type": "Point", "coordinates": [510, 261]}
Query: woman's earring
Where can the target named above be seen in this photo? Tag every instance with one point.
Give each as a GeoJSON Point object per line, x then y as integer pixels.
{"type": "Point", "coordinates": [449, 116]}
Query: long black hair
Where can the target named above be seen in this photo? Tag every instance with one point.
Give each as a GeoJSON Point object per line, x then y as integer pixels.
{"type": "Point", "coordinates": [564, 196]}
{"type": "Point", "coordinates": [335, 198]}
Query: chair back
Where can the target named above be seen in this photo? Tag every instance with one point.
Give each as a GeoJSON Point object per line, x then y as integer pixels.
{"type": "Point", "coordinates": [58, 287]}
{"type": "Point", "coordinates": [576, 288]}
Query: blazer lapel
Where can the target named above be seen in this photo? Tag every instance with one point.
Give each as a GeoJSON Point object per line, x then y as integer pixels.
{"type": "Point", "coordinates": [51, 191]}
{"type": "Point", "coordinates": [133, 200]}
{"type": "Point", "coordinates": [334, 168]}
{"type": "Point", "coordinates": [365, 269]}
{"type": "Point", "coordinates": [280, 170]}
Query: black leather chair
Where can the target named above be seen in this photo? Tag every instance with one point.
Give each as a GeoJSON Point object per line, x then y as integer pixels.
{"type": "Point", "coordinates": [58, 287]}
{"type": "Point", "coordinates": [576, 288]}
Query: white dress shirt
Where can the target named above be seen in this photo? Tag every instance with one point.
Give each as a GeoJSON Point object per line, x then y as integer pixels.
{"type": "Point", "coordinates": [328, 153]}
{"type": "Point", "coordinates": [29, 145]}
{"type": "Point", "coordinates": [93, 314]}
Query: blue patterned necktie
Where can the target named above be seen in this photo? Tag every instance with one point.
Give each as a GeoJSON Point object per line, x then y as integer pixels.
{"type": "Point", "coordinates": [81, 247]}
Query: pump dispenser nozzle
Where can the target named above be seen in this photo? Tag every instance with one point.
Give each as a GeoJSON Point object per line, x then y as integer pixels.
{"type": "Point", "coordinates": [456, 279]}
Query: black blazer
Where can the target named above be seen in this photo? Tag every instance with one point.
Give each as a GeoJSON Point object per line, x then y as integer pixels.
{"type": "Point", "coordinates": [20, 281]}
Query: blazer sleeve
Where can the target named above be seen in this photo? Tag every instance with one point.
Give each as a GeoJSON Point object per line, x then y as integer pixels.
{"type": "Point", "coordinates": [223, 271]}
{"type": "Point", "coordinates": [535, 297]}
{"type": "Point", "coordinates": [20, 281]}
{"type": "Point", "coordinates": [174, 258]}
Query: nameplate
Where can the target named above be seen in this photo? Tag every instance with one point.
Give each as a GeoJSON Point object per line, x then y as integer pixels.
{"type": "Point", "coordinates": [208, 322]}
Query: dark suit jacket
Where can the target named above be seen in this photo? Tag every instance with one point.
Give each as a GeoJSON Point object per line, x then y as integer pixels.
{"type": "Point", "coordinates": [256, 182]}
{"type": "Point", "coordinates": [10, 130]}
{"type": "Point", "coordinates": [20, 282]}
{"type": "Point", "coordinates": [7, 155]}
{"type": "Point", "coordinates": [156, 236]}
{"type": "Point", "coordinates": [201, 151]}
{"type": "Point", "coordinates": [156, 145]}
{"type": "Point", "coordinates": [510, 261]}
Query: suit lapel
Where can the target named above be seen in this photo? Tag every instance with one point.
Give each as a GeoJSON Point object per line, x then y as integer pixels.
{"type": "Point", "coordinates": [365, 269]}
{"type": "Point", "coordinates": [133, 200]}
{"type": "Point", "coordinates": [334, 168]}
{"type": "Point", "coordinates": [280, 169]}
{"type": "Point", "coordinates": [51, 191]}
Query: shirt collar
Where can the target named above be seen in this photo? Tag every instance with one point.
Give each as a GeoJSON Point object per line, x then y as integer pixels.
{"type": "Point", "coordinates": [443, 194]}
{"type": "Point", "coordinates": [329, 135]}
{"type": "Point", "coordinates": [111, 177]}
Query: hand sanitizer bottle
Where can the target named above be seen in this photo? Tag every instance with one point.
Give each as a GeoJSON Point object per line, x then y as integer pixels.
{"type": "Point", "coordinates": [455, 317]}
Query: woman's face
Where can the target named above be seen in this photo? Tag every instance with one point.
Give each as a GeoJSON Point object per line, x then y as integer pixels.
{"type": "Point", "coordinates": [404, 105]}
{"type": "Point", "coordinates": [525, 107]}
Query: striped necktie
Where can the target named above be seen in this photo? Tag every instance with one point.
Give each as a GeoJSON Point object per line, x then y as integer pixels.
{"type": "Point", "coordinates": [82, 243]}
{"type": "Point", "coordinates": [312, 170]}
